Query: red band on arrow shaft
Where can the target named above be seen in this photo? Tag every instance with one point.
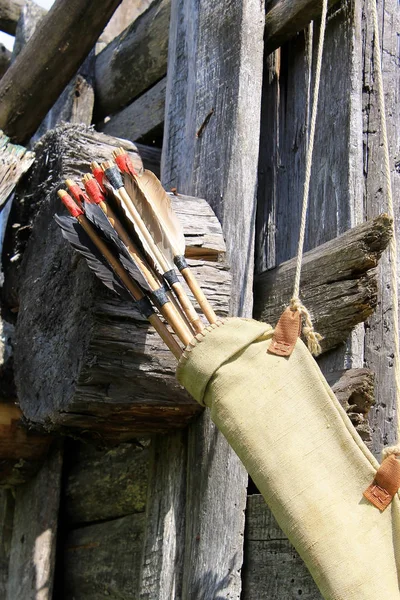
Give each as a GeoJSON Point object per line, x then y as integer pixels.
{"type": "Point", "coordinates": [98, 174]}
{"type": "Point", "coordinates": [71, 205]}
{"type": "Point", "coordinates": [77, 193]}
{"type": "Point", "coordinates": [94, 191]}
{"type": "Point", "coordinates": [125, 164]}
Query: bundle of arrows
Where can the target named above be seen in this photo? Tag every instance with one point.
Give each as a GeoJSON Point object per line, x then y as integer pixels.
{"type": "Point", "coordinates": [126, 229]}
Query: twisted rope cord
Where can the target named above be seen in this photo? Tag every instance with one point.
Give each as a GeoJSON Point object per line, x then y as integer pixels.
{"type": "Point", "coordinates": [313, 338]}
{"type": "Point", "coordinates": [393, 242]}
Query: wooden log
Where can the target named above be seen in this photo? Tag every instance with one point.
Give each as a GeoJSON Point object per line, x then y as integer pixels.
{"type": "Point", "coordinates": [102, 561]}
{"type": "Point", "coordinates": [268, 553]}
{"type": "Point", "coordinates": [284, 18]}
{"type": "Point", "coordinates": [29, 19]}
{"type": "Point", "coordinates": [125, 14]}
{"type": "Point", "coordinates": [10, 11]}
{"type": "Point", "coordinates": [5, 59]}
{"type": "Point", "coordinates": [6, 523]}
{"type": "Point", "coordinates": [33, 543]}
{"type": "Point", "coordinates": [134, 61]}
{"type": "Point", "coordinates": [209, 42]}
{"type": "Point", "coordinates": [107, 373]}
{"type": "Point", "coordinates": [58, 47]}
{"type": "Point", "coordinates": [378, 337]}
{"type": "Point", "coordinates": [105, 484]}
{"type": "Point", "coordinates": [355, 390]}
{"type": "Point", "coordinates": [141, 117]}
{"type": "Point", "coordinates": [338, 284]}
{"type": "Point", "coordinates": [21, 451]}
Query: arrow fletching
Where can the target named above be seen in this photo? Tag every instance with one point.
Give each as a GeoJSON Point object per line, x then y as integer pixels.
{"type": "Point", "coordinates": [81, 242]}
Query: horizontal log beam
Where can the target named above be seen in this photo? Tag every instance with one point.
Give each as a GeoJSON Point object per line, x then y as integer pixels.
{"type": "Point", "coordinates": [134, 61]}
{"type": "Point", "coordinates": [10, 11]}
{"type": "Point", "coordinates": [140, 118]}
{"type": "Point", "coordinates": [61, 42]}
{"type": "Point", "coordinates": [108, 375]}
{"type": "Point", "coordinates": [21, 451]}
{"type": "Point", "coordinates": [284, 18]}
{"type": "Point", "coordinates": [338, 282]}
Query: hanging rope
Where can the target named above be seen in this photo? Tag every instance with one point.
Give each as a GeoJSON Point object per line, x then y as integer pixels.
{"type": "Point", "coordinates": [313, 338]}
{"type": "Point", "coordinates": [393, 242]}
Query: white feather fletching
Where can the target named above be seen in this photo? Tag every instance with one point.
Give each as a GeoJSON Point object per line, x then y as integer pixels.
{"type": "Point", "coordinates": [160, 202]}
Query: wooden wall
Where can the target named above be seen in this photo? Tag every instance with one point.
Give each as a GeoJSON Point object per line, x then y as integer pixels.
{"type": "Point", "coordinates": [172, 517]}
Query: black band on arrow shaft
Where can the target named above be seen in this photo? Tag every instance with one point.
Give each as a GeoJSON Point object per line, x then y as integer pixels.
{"type": "Point", "coordinates": [159, 296]}
{"type": "Point", "coordinates": [180, 262]}
{"type": "Point", "coordinates": [114, 177]}
{"type": "Point", "coordinates": [171, 277]}
{"type": "Point", "coordinates": [145, 307]}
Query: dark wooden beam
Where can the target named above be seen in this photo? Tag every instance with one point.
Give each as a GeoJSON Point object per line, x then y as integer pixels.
{"type": "Point", "coordinates": [144, 115]}
{"type": "Point", "coordinates": [133, 61]}
{"type": "Point", "coordinates": [284, 18]}
{"type": "Point", "coordinates": [10, 11]}
{"type": "Point", "coordinates": [338, 282]}
{"type": "Point", "coordinates": [47, 63]}
{"type": "Point", "coordinates": [5, 59]}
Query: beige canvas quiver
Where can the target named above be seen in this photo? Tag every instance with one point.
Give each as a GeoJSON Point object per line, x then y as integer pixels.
{"type": "Point", "coordinates": [297, 443]}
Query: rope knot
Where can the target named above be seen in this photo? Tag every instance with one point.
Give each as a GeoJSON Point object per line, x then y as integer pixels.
{"type": "Point", "coordinates": [390, 451]}
{"type": "Point", "coordinates": [312, 337]}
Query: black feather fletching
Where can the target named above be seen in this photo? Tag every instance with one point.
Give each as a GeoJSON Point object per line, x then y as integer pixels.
{"type": "Point", "coordinates": [104, 228]}
{"type": "Point", "coordinates": [81, 242]}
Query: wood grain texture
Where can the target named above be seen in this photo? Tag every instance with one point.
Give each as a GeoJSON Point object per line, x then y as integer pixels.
{"type": "Point", "coordinates": [285, 18]}
{"type": "Point", "coordinates": [355, 390]}
{"type": "Point", "coordinates": [378, 340]}
{"type": "Point", "coordinates": [33, 543]}
{"type": "Point", "coordinates": [338, 285]}
{"type": "Point", "coordinates": [126, 13]}
{"type": "Point", "coordinates": [5, 59]}
{"type": "Point", "coordinates": [215, 62]}
{"type": "Point", "coordinates": [141, 117]}
{"type": "Point", "coordinates": [10, 11]}
{"type": "Point", "coordinates": [6, 524]}
{"type": "Point", "coordinates": [164, 545]}
{"type": "Point", "coordinates": [29, 19]}
{"type": "Point", "coordinates": [133, 61]}
{"type": "Point", "coordinates": [102, 561]}
{"type": "Point", "coordinates": [59, 45]}
{"type": "Point", "coordinates": [269, 554]}
{"type": "Point", "coordinates": [105, 484]}
{"type": "Point", "coordinates": [113, 375]}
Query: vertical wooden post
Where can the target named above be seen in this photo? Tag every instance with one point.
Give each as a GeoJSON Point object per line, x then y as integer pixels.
{"type": "Point", "coordinates": [211, 148]}
{"type": "Point", "coordinates": [378, 339]}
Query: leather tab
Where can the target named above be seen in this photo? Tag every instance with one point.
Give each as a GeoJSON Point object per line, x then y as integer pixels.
{"type": "Point", "coordinates": [386, 483]}
{"type": "Point", "coordinates": [286, 333]}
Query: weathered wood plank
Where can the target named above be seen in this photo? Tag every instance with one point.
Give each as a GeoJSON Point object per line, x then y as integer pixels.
{"type": "Point", "coordinates": [29, 19]}
{"type": "Point", "coordinates": [378, 338]}
{"type": "Point", "coordinates": [5, 59]}
{"type": "Point", "coordinates": [48, 61]}
{"type": "Point", "coordinates": [284, 18]}
{"type": "Point", "coordinates": [6, 525]}
{"type": "Point", "coordinates": [141, 117]}
{"type": "Point", "coordinates": [162, 559]}
{"type": "Point", "coordinates": [134, 61]}
{"type": "Point", "coordinates": [105, 484]}
{"type": "Point", "coordinates": [127, 12]}
{"type": "Point", "coordinates": [338, 284]}
{"type": "Point", "coordinates": [107, 372]}
{"type": "Point", "coordinates": [33, 543]}
{"type": "Point", "coordinates": [209, 43]}
{"type": "Point", "coordinates": [355, 390]}
{"type": "Point", "coordinates": [268, 553]}
{"type": "Point", "coordinates": [102, 561]}
{"type": "Point", "coordinates": [10, 11]}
